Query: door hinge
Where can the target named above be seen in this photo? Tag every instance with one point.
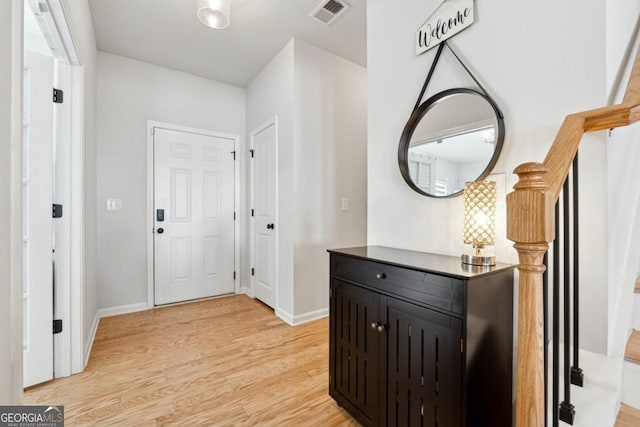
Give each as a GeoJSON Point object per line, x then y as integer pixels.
{"type": "Point", "coordinates": [330, 379]}
{"type": "Point", "coordinates": [58, 96]}
{"type": "Point", "coordinates": [330, 292]}
{"type": "Point", "coordinates": [57, 211]}
{"type": "Point", "coordinates": [234, 275]}
{"type": "Point", "coordinates": [234, 155]}
{"type": "Point", "coordinates": [152, 131]}
{"type": "Point", "coordinates": [461, 345]}
{"type": "Point", "coordinates": [234, 216]}
{"type": "Point", "coordinates": [251, 152]}
{"type": "Point", "coordinates": [57, 326]}
{"type": "Point", "coordinates": [252, 212]}
{"type": "Point", "coordinates": [253, 271]}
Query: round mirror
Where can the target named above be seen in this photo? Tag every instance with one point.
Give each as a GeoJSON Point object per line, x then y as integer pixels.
{"type": "Point", "coordinates": [452, 138]}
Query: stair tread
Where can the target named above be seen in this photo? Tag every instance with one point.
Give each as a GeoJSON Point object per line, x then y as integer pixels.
{"type": "Point", "coordinates": [632, 352]}
{"type": "Point", "coordinates": [628, 416]}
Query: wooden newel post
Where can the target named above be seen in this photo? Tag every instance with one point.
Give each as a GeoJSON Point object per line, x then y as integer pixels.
{"type": "Point", "coordinates": [530, 225]}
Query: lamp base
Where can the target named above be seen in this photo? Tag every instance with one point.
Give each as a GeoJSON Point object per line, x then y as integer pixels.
{"type": "Point", "coordinates": [483, 260]}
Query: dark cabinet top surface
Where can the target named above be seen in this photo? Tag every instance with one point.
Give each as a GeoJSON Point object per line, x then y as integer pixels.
{"type": "Point", "coordinates": [423, 261]}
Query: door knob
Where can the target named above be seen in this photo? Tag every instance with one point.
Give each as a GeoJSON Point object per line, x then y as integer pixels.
{"type": "Point", "coordinates": [160, 230]}
{"type": "Point", "coordinates": [374, 326]}
{"type": "Point", "coordinates": [270, 226]}
{"type": "Point", "coordinates": [382, 328]}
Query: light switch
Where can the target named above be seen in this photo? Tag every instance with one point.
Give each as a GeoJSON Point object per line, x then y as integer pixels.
{"type": "Point", "coordinates": [345, 205]}
{"type": "Point", "coordinates": [114, 204]}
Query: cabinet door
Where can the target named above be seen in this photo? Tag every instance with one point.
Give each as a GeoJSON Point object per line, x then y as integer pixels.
{"type": "Point", "coordinates": [424, 361]}
{"type": "Point", "coordinates": [355, 351]}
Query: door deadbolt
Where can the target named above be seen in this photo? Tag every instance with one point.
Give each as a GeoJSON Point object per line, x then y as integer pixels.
{"type": "Point", "coordinates": [270, 226]}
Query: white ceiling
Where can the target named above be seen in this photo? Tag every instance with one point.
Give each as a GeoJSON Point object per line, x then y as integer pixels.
{"type": "Point", "coordinates": [168, 33]}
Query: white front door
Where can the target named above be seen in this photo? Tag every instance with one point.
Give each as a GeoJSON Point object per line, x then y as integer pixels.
{"type": "Point", "coordinates": [263, 202]}
{"type": "Point", "coordinates": [38, 221]}
{"type": "Point", "coordinates": [194, 216]}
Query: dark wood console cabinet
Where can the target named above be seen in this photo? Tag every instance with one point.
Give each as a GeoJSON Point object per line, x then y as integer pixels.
{"type": "Point", "coordinates": [419, 339]}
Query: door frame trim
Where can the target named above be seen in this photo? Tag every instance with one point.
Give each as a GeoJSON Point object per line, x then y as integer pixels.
{"type": "Point", "coordinates": [151, 125]}
{"type": "Point", "coordinates": [69, 346]}
{"type": "Point", "coordinates": [273, 121]}
{"type": "Point", "coordinates": [77, 249]}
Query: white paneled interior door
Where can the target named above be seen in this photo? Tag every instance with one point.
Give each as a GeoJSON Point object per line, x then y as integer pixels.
{"type": "Point", "coordinates": [263, 202]}
{"type": "Point", "coordinates": [194, 216]}
{"type": "Point", "coordinates": [38, 222]}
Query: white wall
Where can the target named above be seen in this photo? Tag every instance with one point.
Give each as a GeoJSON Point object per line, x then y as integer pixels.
{"type": "Point", "coordinates": [540, 61]}
{"type": "Point", "coordinates": [130, 93]}
{"type": "Point", "coordinates": [271, 94]}
{"type": "Point", "coordinates": [320, 102]}
{"type": "Point", "coordinates": [624, 232]}
{"type": "Point", "coordinates": [11, 15]}
{"type": "Point", "coordinates": [330, 148]}
{"type": "Point", "coordinates": [79, 18]}
{"type": "Point", "coordinates": [622, 22]}
{"type": "Point", "coordinates": [623, 156]}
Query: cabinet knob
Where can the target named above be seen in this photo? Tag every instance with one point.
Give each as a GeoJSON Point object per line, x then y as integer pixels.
{"type": "Point", "coordinates": [381, 276]}
{"type": "Point", "coordinates": [382, 328]}
{"type": "Point", "coordinates": [374, 326]}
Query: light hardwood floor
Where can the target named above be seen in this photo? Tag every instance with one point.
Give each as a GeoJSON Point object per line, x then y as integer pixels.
{"type": "Point", "coordinates": [628, 417]}
{"type": "Point", "coordinates": [222, 362]}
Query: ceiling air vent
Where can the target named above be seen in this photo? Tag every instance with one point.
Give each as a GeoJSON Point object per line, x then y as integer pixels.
{"type": "Point", "coordinates": [329, 10]}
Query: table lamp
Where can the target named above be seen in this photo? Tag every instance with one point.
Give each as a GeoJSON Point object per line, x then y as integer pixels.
{"type": "Point", "coordinates": [479, 221]}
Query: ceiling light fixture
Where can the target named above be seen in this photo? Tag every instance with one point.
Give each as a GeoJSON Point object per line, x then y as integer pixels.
{"type": "Point", "coordinates": [214, 13]}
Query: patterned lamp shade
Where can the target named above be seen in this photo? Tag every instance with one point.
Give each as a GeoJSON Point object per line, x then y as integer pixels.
{"type": "Point", "coordinates": [480, 213]}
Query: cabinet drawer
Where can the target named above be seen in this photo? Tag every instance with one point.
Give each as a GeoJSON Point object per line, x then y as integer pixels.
{"type": "Point", "coordinates": [435, 290]}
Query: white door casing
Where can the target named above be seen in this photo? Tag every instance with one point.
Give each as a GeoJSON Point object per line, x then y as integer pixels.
{"type": "Point", "coordinates": [68, 139]}
{"type": "Point", "coordinates": [264, 227]}
{"type": "Point", "coordinates": [194, 184]}
{"type": "Point", "coordinates": [38, 221]}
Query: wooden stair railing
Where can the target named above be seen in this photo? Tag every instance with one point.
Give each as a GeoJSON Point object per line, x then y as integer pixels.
{"type": "Point", "coordinates": [530, 225]}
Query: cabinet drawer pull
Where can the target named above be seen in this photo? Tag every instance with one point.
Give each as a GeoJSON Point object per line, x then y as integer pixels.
{"type": "Point", "coordinates": [381, 276]}
{"type": "Point", "coordinates": [378, 326]}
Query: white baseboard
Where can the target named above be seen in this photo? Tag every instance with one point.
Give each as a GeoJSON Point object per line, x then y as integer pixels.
{"type": "Point", "coordinates": [247, 291]}
{"type": "Point", "coordinates": [92, 336]}
{"type": "Point", "coordinates": [122, 309]}
{"type": "Point", "coordinates": [310, 316]}
{"type": "Point", "coordinates": [288, 318]}
{"type": "Point", "coordinates": [302, 318]}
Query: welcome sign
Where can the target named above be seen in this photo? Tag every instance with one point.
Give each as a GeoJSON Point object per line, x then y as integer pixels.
{"type": "Point", "coordinates": [448, 20]}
